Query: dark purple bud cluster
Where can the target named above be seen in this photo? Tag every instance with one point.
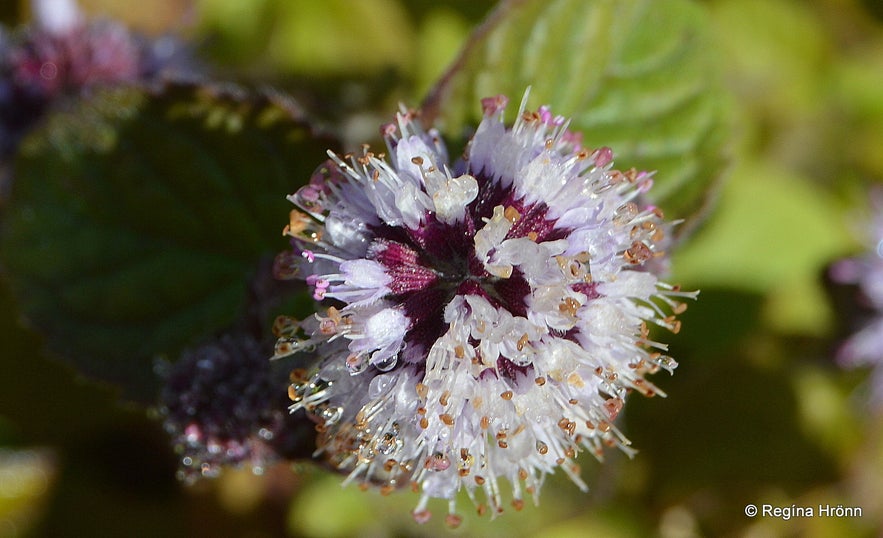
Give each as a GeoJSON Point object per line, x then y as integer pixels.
{"type": "Point", "coordinates": [224, 404]}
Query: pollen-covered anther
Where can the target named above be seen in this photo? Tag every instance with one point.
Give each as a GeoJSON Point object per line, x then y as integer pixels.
{"type": "Point", "coordinates": [453, 520]}
{"type": "Point", "coordinates": [327, 327]}
{"type": "Point", "coordinates": [422, 516]}
{"type": "Point", "coordinates": [298, 376]}
{"type": "Point", "coordinates": [284, 347]}
{"type": "Point", "coordinates": [638, 253]}
{"type": "Point", "coordinates": [679, 308]}
{"type": "Point", "coordinates": [512, 215]}
{"type": "Point", "coordinates": [284, 326]}
{"type": "Point", "coordinates": [613, 406]}
{"type": "Point", "coordinates": [522, 342]}
{"type": "Point", "coordinates": [492, 105]}
{"type": "Point", "coordinates": [569, 306]}
{"type": "Point", "coordinates": [564, 423]}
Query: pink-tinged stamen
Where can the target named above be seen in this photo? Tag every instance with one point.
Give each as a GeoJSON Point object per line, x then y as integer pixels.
{"type": "Point", "coordinates": [603, 156]}
{"type": "Point", "coordinates": [492, 105]}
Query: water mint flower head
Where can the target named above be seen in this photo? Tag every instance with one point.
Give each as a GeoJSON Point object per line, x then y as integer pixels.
{"type": "Point", "coordinates": [865, 346]}
{"type": "Point", "coordinates": [483, 321]}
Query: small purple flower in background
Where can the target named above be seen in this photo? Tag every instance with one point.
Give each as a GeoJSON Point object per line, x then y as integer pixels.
{"type": "Point", "coordinates": [486, 319]}
{"type": "Point", "coordinates": [865, 346]}
{"type": "Point", "coordinates": [62, 53]}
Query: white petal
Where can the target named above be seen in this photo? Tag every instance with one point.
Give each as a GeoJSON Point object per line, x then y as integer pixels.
{"type": "Point", "coordinates": [450, 196]}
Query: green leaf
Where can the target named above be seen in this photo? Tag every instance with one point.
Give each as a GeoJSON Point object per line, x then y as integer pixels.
{"type": "Point", "coordinates": [138, 217]}
{"type": "Point", "coordinates": [772, 234]}
{"type": "Point", "coordinates": [638, 76]}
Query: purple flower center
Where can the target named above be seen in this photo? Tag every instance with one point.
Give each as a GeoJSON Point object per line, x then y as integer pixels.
{"type": "Point", "coordinates": [433, 263]}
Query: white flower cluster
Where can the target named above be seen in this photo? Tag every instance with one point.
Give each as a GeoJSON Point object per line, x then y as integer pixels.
{"type": "Point", "coordinates": [487, 319]}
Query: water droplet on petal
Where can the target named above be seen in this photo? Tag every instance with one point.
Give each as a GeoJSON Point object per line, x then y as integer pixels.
{"type": "Point", "coordinates": [437, 462]}
{"type": "Point", "coordinates": [355, 364]}
{"type": "Point", "coordinates": [379, 385]}
{"type": "Point", "coordinates": [386, 363]}
{"type": "Point", "coordinates": [331, 414]}
{"type": "Point", "coordinates": [388, 444]}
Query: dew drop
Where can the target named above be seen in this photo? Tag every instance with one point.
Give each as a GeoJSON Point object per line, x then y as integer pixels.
{"type": "Point", "coordinates": [386, 363]}
{"type": "Point", "coordinates": [437, 462]}
{"type": "Point", "coordinates": [356, 364]}
{"type": "Point", "coordinates": [379, 385]}
{"type": "Point", "coordinates": [388, 444]}
{"type": "Point", "coordinates": [331, 414]}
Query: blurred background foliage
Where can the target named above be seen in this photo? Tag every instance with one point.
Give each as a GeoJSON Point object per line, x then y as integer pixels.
{"type": "Point", "coordinates": [757, 412]}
